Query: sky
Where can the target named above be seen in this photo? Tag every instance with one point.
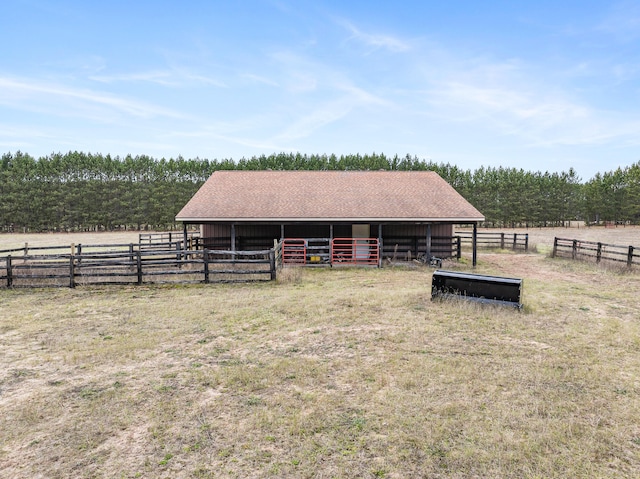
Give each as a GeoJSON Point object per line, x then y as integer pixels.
{"type": "Point", "coordinates": [538, 85]}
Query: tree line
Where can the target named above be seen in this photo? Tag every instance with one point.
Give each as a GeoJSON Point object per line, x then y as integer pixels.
{"type": "Point", "coordinates": [82, 191]}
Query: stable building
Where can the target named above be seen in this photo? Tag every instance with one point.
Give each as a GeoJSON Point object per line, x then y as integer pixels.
{"type": "Point", "coordinates": [328, 216]}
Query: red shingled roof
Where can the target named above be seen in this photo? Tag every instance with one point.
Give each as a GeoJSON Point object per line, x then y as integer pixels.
{"type": "Point", "coordinates": [327, 195]}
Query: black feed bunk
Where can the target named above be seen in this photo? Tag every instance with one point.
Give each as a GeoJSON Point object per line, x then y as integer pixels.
{"type": "Point", "coordinates": [477, 287]}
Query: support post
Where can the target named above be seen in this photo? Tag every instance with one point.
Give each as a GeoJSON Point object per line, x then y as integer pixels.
{"type": "Point", "coordinates": [599, 252]}
{"type": "Point", "coordinates": [428, 247]}
{"type": "Point", "coordinates": [79, 252]}
{"type": "Point", "coordinates": [501, 240]}
{"type": "Point", "coordinates": [555, 247]}
{"type": "Point", "coordinates": [380, 248]}
{"type": "Point", "coordinates": [474, 241]}
{"type": "Point", "coordinates": [72, 272]}
{"type": "Point", "coordinates": [281, 232]}
{"type": "Point", "coordinates": [139, 266]}
{"type": "Point", "coordinates": [233, 237]}
{"type": "Point", "coordinates": [574, 249]}
{"type": "Point", "coordinates": [184, 236]}
{"type": "Point", "coordinates": [205, 259]}
{"type": "Point", "coordinates": [9, 273]}
{"type": "Point", "coordinates": [272, 264]}
{"type": "Point", "coordinates": [630, 257]}
{"type": "Point", "coordinates": [526, 242]}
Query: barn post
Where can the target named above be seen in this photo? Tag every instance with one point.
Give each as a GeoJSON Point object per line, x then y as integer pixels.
{"type": "Point", "coordinates": [281, 232]}
{"type": "Point", "coordinates": [474, 241]}
{"type": "Point", "coordinates": [233, 236]}
{"type": "Point", "coordinates": [184, 236]}
{"type": "Point", "coordinates": [428, 247]}
{"type": "Point", "coordinates": [380, 249]}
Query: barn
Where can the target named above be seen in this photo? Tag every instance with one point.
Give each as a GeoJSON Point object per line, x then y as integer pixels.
{"type": "Point", "coordinates": [330, 216]}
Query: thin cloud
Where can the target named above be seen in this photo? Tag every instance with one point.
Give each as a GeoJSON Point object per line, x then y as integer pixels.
{"type": "Point", "coordinates": [158, 77]}
{"type": "Point", "coordinates": [169, 78]}
{"type": "Point", "coordinates": [258, 79]}
{"type": "Point", "coordinates": [33, 95]}
{"type": "Point", "coordinates": [375, 41]}
{"type": "Point", "coordinates": [540, 120]}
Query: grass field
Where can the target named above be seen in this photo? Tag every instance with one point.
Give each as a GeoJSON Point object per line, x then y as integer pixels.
{"type": "Point", "coordinates": [327, 373]}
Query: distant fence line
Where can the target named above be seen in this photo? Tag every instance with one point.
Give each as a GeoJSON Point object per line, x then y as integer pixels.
{"type": "Point", "coordinates": [93, 265]}
{"type": "Point", "coordinates": [487, 239]}
{"type": "Point", "coordinates": [586, 250]}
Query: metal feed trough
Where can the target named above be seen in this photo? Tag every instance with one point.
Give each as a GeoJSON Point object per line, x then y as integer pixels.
{"type": "Point", "coordinates": [477, 287]}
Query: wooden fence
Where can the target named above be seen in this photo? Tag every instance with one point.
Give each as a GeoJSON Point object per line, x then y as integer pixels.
{"type": "Point", "coordinates": [92, 265]}
{"type": "Point", "coordinates": [499, 240]}
{"type": "Point", "coordinates": [589, 250]}
{"type": "Point", "coordinates": [168, 240]}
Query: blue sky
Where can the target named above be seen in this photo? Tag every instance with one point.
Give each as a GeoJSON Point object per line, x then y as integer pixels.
{"type": "Point", "coordinates": [544, 85]}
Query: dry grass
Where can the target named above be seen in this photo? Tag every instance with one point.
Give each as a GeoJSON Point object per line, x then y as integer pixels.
{"type": "Point", "coordinates": [325, 373]}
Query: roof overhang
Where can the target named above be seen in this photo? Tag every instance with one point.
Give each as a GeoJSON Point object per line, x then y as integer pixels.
{"type": "Point", "coordinates": [330, 220]}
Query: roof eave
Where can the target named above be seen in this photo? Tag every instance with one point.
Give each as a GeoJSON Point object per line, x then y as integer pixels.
{"type": "Point", "coordinates": [327, 220]}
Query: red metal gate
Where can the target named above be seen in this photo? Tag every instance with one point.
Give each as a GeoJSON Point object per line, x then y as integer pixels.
{"type": "Point", "coordinates": [355, 251]}
{"type": "Point", "coordinates": [294, 251]}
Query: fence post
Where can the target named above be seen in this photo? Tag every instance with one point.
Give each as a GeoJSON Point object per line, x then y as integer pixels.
{"type": "Point", "coordinates": [630, 257]}
{"type": "Point", "coordinates": [131, 252]}
{"type": "Point", "coordinates": [574, 249]}
{"type": "Point", "coordinates": [72, 272]}
{"type": "Point", "coordinates": [272, 263]}
{"type": "Point", "coordinates": [458, 247]}
{"type": "Point", "coordinates": [515, 238]}
{"type": "Point", "coordinates": [139, 264]}
{"type": "Point", "coordinates": [526, 242]}
{"type": "Point", "coordinates": [205, 259]}
{"type": "Point", "coordinates": [79, 252]}
{"type": "Point", "coordinates": [9, 272]}
{"type": "Point", "coordinates": [501, 240]}
{"type": "Point", "coordinates": [555, 247]}
{"type": "Point", "coordinates": [599, 252]}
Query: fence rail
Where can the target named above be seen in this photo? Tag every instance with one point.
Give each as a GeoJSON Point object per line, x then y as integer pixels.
{"type": "Point", "coordinates": [500, 240]}
{"type": "Point", "coordinates": [415, 247]}
{"type": "Point", "coordinates": [135, 266]}
{"type": "Point", "coordinates": [169, 240]}
{"type": "Point", "coordinates": [588, 250]}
